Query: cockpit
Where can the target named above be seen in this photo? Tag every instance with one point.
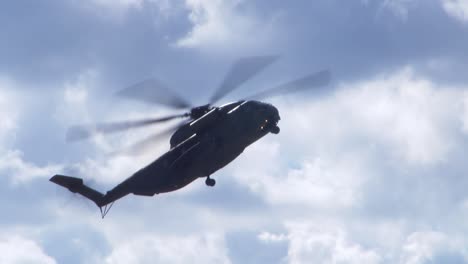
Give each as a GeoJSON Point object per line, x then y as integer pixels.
{"type": "Point", "coordinates": [266, 115]}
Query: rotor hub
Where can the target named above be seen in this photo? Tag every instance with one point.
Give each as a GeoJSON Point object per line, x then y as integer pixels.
{"type": "Point", "coordinates": [199, 111]}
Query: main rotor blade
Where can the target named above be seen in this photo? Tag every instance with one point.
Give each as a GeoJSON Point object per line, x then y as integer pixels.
{"type": "Point", "coordinates": [314, 80]}
{"type": "Point", "coordinates": [76, 133]}
{"type": "Point", "coordinates": [148, 143]}
{"type": "Point", "coordinates": [240, 72]}
{"type": "Point", "coordinates": [154, 91]}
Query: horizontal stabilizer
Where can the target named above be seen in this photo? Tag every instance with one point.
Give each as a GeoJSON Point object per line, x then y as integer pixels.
{"type": "Point", "coordinates": [76, 185]}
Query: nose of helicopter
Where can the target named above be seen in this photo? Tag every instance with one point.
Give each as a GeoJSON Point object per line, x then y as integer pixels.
{"type": "Point", "coordinates": [272, 113]}
{"type": "Point", "coordinates": [275, 118]}
{"type": "Point", "coordinates": [264, 115]}
{"type": "Point", "coordinates": [275, 114]}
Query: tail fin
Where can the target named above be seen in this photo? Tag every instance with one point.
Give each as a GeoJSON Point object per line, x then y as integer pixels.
{"type": "Point", "coordinates": [76, 185]}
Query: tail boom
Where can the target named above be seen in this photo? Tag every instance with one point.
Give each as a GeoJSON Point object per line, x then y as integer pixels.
{"type": "Point", "coordinates": [103, 201]}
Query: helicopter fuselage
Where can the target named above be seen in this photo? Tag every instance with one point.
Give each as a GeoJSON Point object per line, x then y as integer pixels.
{"type": "Point", "coordinates": [200, 148]}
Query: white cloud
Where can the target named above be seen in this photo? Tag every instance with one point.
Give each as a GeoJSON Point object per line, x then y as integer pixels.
{"type": "Point", "coordinates": [12, 163]}
{"type": "Point", "coordinates": [20, 250]}
{"type": "Point", "coordinates": [457, 8]}
{"type": "Point", "coordinates": [19, 171]}
{"type": "Point", "coordinates": [324, 157]}
{"type": "Point", "coordinates": [412, 116]}
{"type": "Point", "coordinates": [74, 98]}
{"type": "Point", "coordinates": [75, 95]}
{"type": "Point", "coordinates": [117, 10]}
{"type": "Point", "coordinates": [272, 238]}
{"type": "Point", "coordinates": [406, 116]}
{"type": "Point", "coordinates": [111, 10]}
{"type": "Point", "coordinates": [346, 132]}
{"type": "Point", "coordinates": [119, 3]}
{"type": "Point", "coordinates": [329, 148]}
{"type": "Point", "coordinates": [400, 121]}
{"type": "Point", "coordinates": [111, 170]}
{"type": "Point", "coordinates": [327, 241]}
{"type": "Point", "coordinates": [399, 7]}
{"type": "Point", "coordinates": [310, 242]}
{"type": "Point", "coordinates": [464, 117]}
{"type": "Point", "coordinates": [215, 24]}
{"type": "Point", "coordinates": [399, 117]}
{"type": "Point", "coordinates": [9, 111]}
{"type": "Point", "coordinates": [421, 247]}
{"type": "Point", "coordinates": [321, 182]}
{"type": "Point", "coordinates": [204, 249]}
{"type": "Point", "coordinates": [218, 23]}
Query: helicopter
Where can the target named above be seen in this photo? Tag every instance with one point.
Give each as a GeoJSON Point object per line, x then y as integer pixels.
{"type": "Point", "coordinates": [210, 138]}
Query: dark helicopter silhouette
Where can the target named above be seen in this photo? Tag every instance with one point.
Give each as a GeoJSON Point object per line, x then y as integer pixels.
{"type": "Point", "coordinates": [210, 139]}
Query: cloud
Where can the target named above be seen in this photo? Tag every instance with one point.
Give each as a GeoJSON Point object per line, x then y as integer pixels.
{"type": "Point", "coordinates": [374, 161]}
{"type": "Point", "coordinates": [129, 4]}
{"type": "Point", "coordinates": [399, 111]}
{"type": "Point", "coordinates": [75, 95]}
{"type": "Point", "coordinates": [16, 249]}
{"type": "Point", "coordinates": [328, 174]}
{"type": "Point", "coordinates": [320, 182]}
{"type": "Point", "coordinates": [119, 3]}
{"type": "Point", "coordinates": [18, 170]}
{"type": "Point", "coordinates": [15, 104]}
{"type": "Point", "coordinates": [457, 8]}
{"type": "Point", "coordinates": [403, 113]}
{"type": "Point", "coordinates": [309, 242]}
{"type": "Point", "coordinates": [422, 247]}
{"type": "Point", "coordinates": [224, 24]}
{"type": "Point", "coordinates": [118, 10]}
{"type": "Point", "coordinates": [12, 163]}
{"type": "Point", "coordinates": [9, 112]}
{"type": "Point", "coordinates": [272, 238]}
{"type": "Point", "coordinates": [209, 248]}
{"type": "Point", "coordinates": [107, 169]}
{"type": "Point", "coordinates": [399, 7]}
{"type": "Point", "coordinates": [464, 117]}
{"type": "Point", "coordinates": [381, 158]}
{"type": "Point", "coordinates": [327, 241]}
{"type": "Point", "coordinates": [74, 98]}
{"type": "Point", "coordinates": [329, 149]}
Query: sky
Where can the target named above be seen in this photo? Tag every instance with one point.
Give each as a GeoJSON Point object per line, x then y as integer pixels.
{"type": "Point", "coordinates": [369, 170]}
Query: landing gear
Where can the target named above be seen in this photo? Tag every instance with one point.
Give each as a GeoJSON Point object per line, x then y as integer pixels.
{"type": "Point", "coordinates": [210, 182]}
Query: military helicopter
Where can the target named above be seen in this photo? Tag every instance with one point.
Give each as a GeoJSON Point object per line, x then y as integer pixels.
{"type": "Point", "coordinates": [211, 138]}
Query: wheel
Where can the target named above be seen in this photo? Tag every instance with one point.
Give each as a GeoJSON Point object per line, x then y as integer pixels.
{"type": "Point", "coordinates": [210, 182]}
